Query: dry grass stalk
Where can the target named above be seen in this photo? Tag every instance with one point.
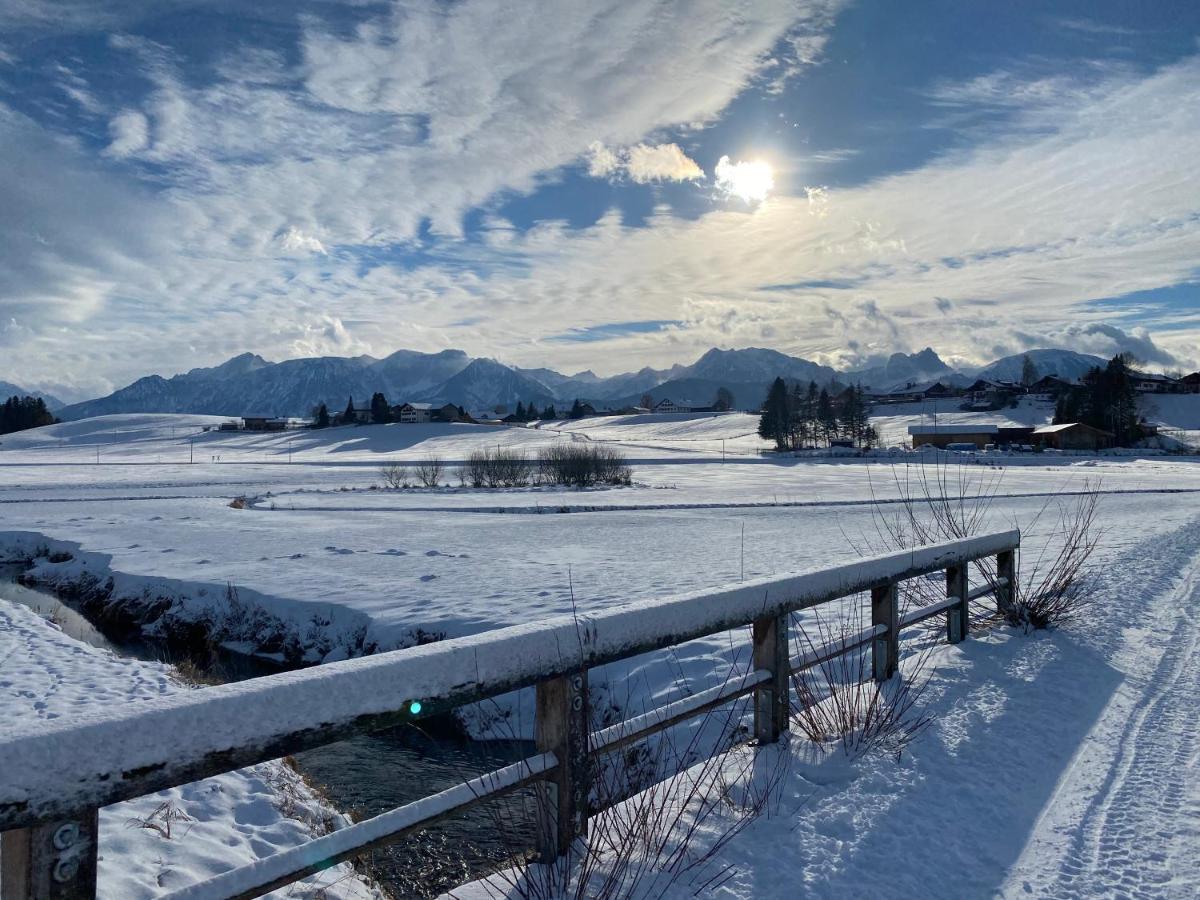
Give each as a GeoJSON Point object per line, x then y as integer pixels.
{"type": "Point", "coordinates": [938, 502]}
{"type": "Point", "coordinates": [838, 703]}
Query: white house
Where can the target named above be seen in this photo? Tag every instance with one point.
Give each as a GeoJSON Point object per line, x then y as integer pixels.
{"type": "Point", "coordinates": [414, 413]}
{"type": "Point", "coordinates": [666, 405]}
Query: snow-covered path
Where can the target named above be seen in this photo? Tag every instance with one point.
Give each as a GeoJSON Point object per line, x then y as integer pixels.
{"type": "Point", "coordinates": [1126, 817]}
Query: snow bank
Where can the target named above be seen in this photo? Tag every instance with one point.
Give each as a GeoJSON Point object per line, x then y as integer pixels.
{"type": "Point", "coordinates": [48, 678]}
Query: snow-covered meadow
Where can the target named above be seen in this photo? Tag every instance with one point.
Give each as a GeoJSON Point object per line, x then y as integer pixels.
{"type": "Point", "coordinates": [334, 565]}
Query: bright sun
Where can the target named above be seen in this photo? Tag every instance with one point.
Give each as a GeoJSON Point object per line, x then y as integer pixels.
{"type": "Point", "coordinates": [751, 180]}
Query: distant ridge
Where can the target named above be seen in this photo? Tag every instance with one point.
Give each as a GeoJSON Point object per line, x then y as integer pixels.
{"type": "Point", "coordinates": [8, 389]}
{"type": "Point", "coordinates": [250, 385]}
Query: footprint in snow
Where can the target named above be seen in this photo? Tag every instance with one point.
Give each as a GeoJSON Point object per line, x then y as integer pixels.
{"type": "Point", "coordinates": [392, 552]}
{"type": "Point", "coordinates": [203, 562]}
{"type": "Point", "coordinates": [168, 550]}
{"type": "Point", "coordinates": [428, 577]}
{"type": "Point", "coordinates": [433, 553]}
{"type": "Point", "coordinates": [296, 556]}
{"type": "Point", "coordinates": [340, 551]}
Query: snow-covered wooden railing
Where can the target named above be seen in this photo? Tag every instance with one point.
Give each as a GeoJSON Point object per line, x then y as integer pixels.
{"type": "Point", "coordinates": [54, 779]}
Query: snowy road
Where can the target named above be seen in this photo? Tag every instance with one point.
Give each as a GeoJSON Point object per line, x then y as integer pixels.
{"type": "Point", "coordinates": [1126, 818]}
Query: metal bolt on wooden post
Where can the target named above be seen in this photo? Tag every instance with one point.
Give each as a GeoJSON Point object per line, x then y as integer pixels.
{"type": "Point", "coordinates": [771, 698]}
{"type": "Point", "coordinates": [1006, 576]}
{"type": "Point", "coordinates": [561, 728]}
{"type": "Point", "coordinates": [56, 861]}
{"type": "Point", "coordinates": [885, 649]}
{"type": "Point", "coordinates": [958, 621]}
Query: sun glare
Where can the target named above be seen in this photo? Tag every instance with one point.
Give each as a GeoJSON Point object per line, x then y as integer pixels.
{"type": "Point", "coordinates": [751, 180]}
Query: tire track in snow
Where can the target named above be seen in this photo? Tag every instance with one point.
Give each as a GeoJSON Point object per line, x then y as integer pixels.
{"type": "Point", "coordinates": [1137, 836]}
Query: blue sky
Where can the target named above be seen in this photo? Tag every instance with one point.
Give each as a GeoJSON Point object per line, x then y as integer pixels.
{"type": "Point", "coordinates": [597, 185]}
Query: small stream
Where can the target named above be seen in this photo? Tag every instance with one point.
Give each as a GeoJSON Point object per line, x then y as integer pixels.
{"type": "Point", "coordinates": [366, 775]}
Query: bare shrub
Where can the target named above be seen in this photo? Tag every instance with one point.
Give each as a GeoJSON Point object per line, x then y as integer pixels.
{"type": "Point", "coordinates": [662, 811]}
{"type": "Point", "coordinates": [474, 472]}
{"type": "Point", "coordinates": [1051, 590]}
{"type": "Point", "coordinates": [395, 475]}
{"type": "Point", "coordinates": [836, 701]}
{"type": "Point", "coordinates": [430, 471]}
{"type": "Point", "coordinates": [509, 468]}
{"type": "Point", "coordinates": [937, 502]}
{"type": "Point", "coordinates": [162, 819]}
{"type": "Point", "coordinates": [583, 465]}
{"type": "Point", "coordinates": [497, 468]}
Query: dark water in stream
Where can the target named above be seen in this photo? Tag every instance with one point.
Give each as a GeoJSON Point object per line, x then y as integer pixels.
{"type": "Point", "coordinates": [370, 774]}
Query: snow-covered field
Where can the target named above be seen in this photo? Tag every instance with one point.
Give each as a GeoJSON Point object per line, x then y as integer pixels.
{"type": "Point", "coordinates": [344, 567]}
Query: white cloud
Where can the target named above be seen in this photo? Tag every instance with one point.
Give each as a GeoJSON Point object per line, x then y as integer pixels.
{"type": "Point", "coordinates": [415, 117]}
{"type": "Point", "coordinates": [296, 241]}
{"type": "Point", "coordinates": [602, 162]}
{"type": "Point", "coordinates": [642, 163]}
{"type": "Point", "coordinates": [129, 132]}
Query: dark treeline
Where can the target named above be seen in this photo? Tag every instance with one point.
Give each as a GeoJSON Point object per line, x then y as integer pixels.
{"type": "Point", "coordinates": [20, 413]}
{"type": "Point", "coordinates": [1105, 399]}
{"type": "Point", "coordinates": [812, 417]}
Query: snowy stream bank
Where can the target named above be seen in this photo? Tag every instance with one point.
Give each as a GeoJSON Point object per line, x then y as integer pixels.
{"type": "Point", "coordinates": [366, 775]}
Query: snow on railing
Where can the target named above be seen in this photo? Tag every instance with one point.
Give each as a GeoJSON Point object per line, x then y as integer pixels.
{"type": "Point", "coordinates": [59, 773]}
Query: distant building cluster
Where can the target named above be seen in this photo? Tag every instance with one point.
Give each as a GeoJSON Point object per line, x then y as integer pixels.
{"type": "Point", "coordinates": [1067, 436]}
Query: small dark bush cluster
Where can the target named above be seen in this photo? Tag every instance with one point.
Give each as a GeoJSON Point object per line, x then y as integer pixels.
{"type": "Point", "coordinates": [497, 468]}
{"type": "Point", "coordinates": [583, 465]}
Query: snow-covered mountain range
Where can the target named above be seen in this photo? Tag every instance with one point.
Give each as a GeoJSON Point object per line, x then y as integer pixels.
{"type": "Point", "coordinates": [250, 385]}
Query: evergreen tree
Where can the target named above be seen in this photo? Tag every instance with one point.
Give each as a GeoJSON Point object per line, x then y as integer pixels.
{"type": "Point", "coordinates": [20, 413]}
{"type": "Point", "coordinates": [531, 412]}
{"type": "Point", "coordinates": [827, 419]}
{"type": "Point", "coordinates": [322, 417]}
{"type": "Point", "coordinates": [724, 400]}
{"type": "Point", "coordinates": [348, 415]}
{"type": "Point", "coordinates": [519, 415]}
{"type": "Point", "coordinates": [855, 417]}
{"type": "Point", "coordinates": [549, 414]}
{"type": "Point", "coordinates": [774, 424]}
{"type": "Point", "coordinates": [381, 412]}
{"type": "Point", "coordinates": [1105, 399]}
{"type": "Point", "coordinates": [576, 409]}
{"type": "Point", "coordinates": [1029, 371]}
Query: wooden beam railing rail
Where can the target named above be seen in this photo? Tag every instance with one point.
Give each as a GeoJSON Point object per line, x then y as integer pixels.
{"type": "Point", "coordinates": [53, 780]}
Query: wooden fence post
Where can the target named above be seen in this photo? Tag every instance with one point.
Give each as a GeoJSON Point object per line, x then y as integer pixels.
{"type": "Point", "coordinates": [561, 728]}
{"type": "Point", "coordinates": [885, 648]}
{"type": "Point", "coordinates": [56, 861]}
{"type": "Point", "coordinates": [771, 698]}
{"type": "Point", "coordinates": [958, 617]}
{"type": "Point", "coordinates": [1006, 569]}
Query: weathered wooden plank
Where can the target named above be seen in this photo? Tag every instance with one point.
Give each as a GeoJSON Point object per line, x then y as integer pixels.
{"type": "Point", "coordinates": [771, 697]}
{"type": "Point", "coordinates": [958, 618]}
{"type": "Point", "coordinates": [561, 728]}
{"type": "Point", "coordinates": [1006, 580]}
{"type": "Point", "coordinates": [885, 649]}
{"type": "Point", "coordinates": [632, 730]}
{"type": "Point", "coordinates": [52, 861]}
{"type": "Point", "coordinates": [72, 765]}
